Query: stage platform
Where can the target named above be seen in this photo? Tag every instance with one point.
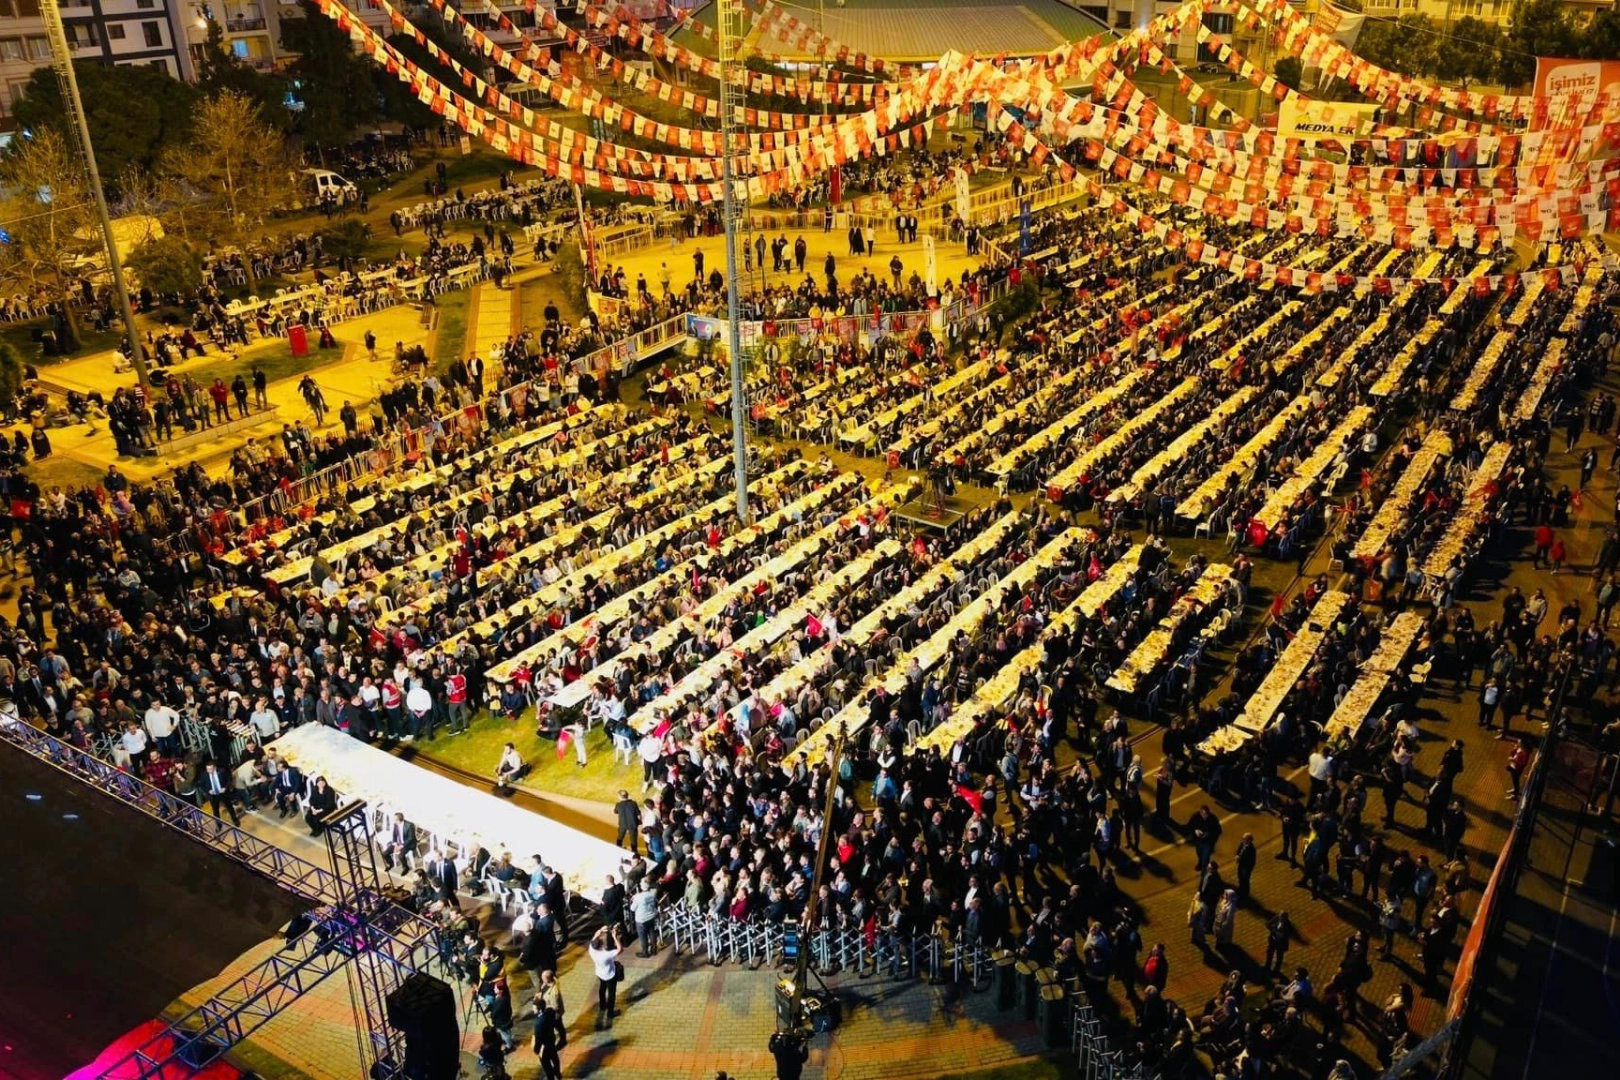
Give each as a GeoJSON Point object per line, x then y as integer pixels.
{"type": "Point", "coordinates": [111, 916]}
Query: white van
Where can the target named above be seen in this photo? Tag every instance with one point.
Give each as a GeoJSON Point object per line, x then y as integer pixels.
{"type": "Point", "coordinates": [319, 184]}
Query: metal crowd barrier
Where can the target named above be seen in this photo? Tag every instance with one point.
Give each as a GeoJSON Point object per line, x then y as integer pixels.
{"type": "Point", "coordinates": [760, 943]}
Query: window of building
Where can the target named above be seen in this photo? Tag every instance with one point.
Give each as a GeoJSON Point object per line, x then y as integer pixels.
{"type": "Point", "coordinates": [1122, 20]}
{"type": "Point", "coordinates": [11, 48]}
{"type": "Point", "coordinates": [154, 34]}
{"type": "Point", "coordinates": [40, 48]}
{"type": "Point", "coordinates": [81, 35]}
{"type": "Point", "coordinates": [20, 9]}
{"type": "Point", "coordinates": [115, 31]}
{"type": "Point", "coordinates": [144, 3]}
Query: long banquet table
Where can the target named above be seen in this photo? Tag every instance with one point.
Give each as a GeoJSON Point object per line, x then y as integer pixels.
{"type": "Point", "coordinates": [445, 809]}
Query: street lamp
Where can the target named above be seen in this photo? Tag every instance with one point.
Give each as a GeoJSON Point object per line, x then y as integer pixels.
{"type": "Point", "coordinates": [62, 63]}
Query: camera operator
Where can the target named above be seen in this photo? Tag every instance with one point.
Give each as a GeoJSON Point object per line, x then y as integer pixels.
{"type": "Point", "coordinates": [791, 1051]}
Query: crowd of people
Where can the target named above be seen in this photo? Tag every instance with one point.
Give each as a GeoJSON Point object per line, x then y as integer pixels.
{"type": "Point", "coordinates": [570, 563]}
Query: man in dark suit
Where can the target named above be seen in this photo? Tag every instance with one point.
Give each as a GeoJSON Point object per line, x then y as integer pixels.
{"type": "Point", "coordinates": [33, 692]}
{"type": "Point", "coordinates": [401, 841]}
{"type": "Point", "coordinates": [556, 901]}
{"type": "Point", "coordinates": [441, 871]}
{"type": "Point", "coordinates": [612, 903]}
{"type": "Point", "coordinates": [540, 947]}
{"type": "Point", "coordinates": [629, 816]}
{"type": "Point", "coordinates": [289, 788]}
{"type": "Point", "coordinates": [217, 789]}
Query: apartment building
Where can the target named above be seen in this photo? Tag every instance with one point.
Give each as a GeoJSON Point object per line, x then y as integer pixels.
{"type": "Point", "coordinates": [251, 29]}
{"type": "Point", "coordinates": [112, 31]}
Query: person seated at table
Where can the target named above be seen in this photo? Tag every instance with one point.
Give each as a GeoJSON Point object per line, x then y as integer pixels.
{"type": "Point", "coordinates": [289, 787]}
{"type": "Point", "coordinates": [511, 767]}
{"type": "Point", "coordinates": [514, 699]}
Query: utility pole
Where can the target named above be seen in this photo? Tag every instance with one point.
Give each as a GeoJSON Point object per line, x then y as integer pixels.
{"type": "Point", "coordinates": [62, 64]}
{"type": "Point", "coordinates": [733, 85]}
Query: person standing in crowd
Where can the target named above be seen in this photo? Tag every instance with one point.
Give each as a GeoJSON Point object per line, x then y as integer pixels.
{"type": "Point", "coordinates": [606, 945]}
{"type": "Point", "coordinates": [629, 822]}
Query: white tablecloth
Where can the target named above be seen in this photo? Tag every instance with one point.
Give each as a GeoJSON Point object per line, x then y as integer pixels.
{"type": "Point", "coordinates": [1362, 697]}
{"type": "Point", "coordinates": [1483, 373]}
{"type": "Point", "coordinates": [1314, 467]}
{"type": "Point", "coordinates": [1123, 434]}
{"type": "Point", "coordinates": [1212, 588]}
{"type": "Point", "coordinates": [447, 809]}
{"type": "Point", "coordinates": [1244, 460]}
{"type": "Point", "coordinates": [1466, 522]}
{"type": "Point", "coordinates": [1268, 697]}
{"type": "Point", "coordinates": [1435, 449]}
{"type": "Point", "coordinates": [1552, 361]}
{"type": "Point", "coordinates": [1183, 444]}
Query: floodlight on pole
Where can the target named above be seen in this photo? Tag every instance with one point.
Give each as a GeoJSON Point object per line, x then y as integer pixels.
{"type": "Point", "coordinates": [62, 64]}
{"type": "Point", "coordinates": [732, 83]}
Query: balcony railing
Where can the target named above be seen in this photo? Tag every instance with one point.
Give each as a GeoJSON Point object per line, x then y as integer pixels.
{"type": "Point", "coordinates": [254, 22]}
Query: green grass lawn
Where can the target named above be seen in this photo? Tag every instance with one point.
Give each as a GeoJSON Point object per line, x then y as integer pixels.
{"type": "Point", "coordinates": [59, 470]}
{"type": "Point", "coordinates": [480, 749]}
{"type": "Point", "coordinates": [20, 336]}
{"type": "Point", "coordinates": [275, 358]}
{"type": "Point", "coordinates": [450, 335]}
{"type": "Point", "coordinates": [534, 294]}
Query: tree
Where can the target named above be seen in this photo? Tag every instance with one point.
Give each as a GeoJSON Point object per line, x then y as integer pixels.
{"type": "Point", "coordinates": [1537, 28]}
{"type": "Point", "coordinates": [1468, 52]}
{"type": "Point", "coordinates": [219, 70]}
{"type": "Point", "coordinates": [338, 87]}
{"type": "Point", "coordinates": [166, 265]}
{"type": "Point", "coordinates": [236, 164]}
{"type": "Point", "coordinates": [1290, 72]}
{"type": "Point", "coordinates": [1407, 45]}
{"type": "Point", "coordinates": [135, 113]}
{"type": "Point", "coordinates": [48, 212]}
{"type": "Point", "coordinates": [1600, 40]}
{"type": "Point", "coordinates": [347, 239]}
{"type": "Point", "coordinates": [11, 372]}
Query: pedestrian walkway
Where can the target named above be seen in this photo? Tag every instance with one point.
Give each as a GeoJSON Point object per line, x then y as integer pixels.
{"type": "Point", "coordinates": [491, 321]}
{"type": "Point", "coordinates": [346, 374]}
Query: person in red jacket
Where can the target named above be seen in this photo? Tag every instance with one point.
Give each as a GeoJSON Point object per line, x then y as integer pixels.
{"type": "Point", "coordinates": [221, 395]}
{"type": "Point", "coordinates": [455, 692]}
{"type": "Point", "coordinates": [1516, 766]}
{"type": "Point", "coordinates": [393, 702]}
{"type": "Point", "coordinates": [1544, 543]}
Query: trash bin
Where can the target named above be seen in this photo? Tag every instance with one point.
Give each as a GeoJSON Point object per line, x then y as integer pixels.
{"type": "Point", "coordinates": [1006, 976]}
{"type": "Point", "coordinates": [298, 338]}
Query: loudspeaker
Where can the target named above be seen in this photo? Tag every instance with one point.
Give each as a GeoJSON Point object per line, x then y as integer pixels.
{"type": "Point", "coordinates": [423, 1009]}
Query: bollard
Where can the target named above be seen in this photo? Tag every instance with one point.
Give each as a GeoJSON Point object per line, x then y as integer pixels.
{"type": "Point", "coordinates": [1006, 978]}
{"type": "Point", "coordinates": [1029, 989]}
{"type": "Point", "coordinates": [1053, 1016]}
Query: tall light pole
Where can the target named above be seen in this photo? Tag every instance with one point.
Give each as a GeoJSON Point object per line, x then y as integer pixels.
{"type": "Point", "coordinates": [62, 64]}
{"type": "Point", "coordinates": [733, 83]}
